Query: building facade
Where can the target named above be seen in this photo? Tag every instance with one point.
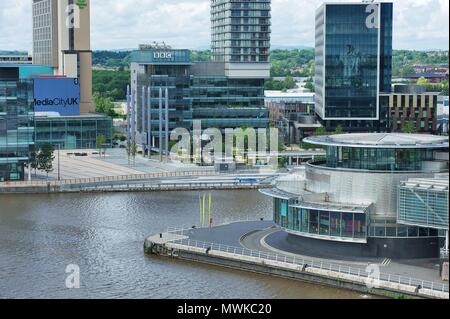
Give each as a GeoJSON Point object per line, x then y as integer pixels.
{"type": "Point", "coordinates": [241, 37]}
{"type": "Point", "coordinates": [11, 58]}
{"type": "Point", "coordinates": [409, 107]}
{"type": "Point", "coordinates": [72, 132]}
{"type": "Point", "coordinates": [353, 63]}
{"type": "Point", "coordinates": [197, 91]}
{"type": "Point", "coordinates": [61, 40]}
{"type": "Point", "coordinates": [16, 124]}
{"type": "Point", "coordinates": [348, 203]}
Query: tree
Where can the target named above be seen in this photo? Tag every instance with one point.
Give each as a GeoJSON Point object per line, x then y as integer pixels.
{"type": "Point", "coordinates": [44, 158]}
{"type": "Point", "coordinates": [131, 150]}
{"type": "Point", "coordinates": [339, 130]}
{"type": "Point", "coordinates": [409, 128]}
{"type": "Point", "coordinates": [104, 105]}
{"type": "Point", "coordinates": [101, 141]}
{"type": "Point", "coordinates": [422, 81]}
{"type": "Point", "coordinates": [310, 86]}
{"type": "Point", "coordinates": [320, 131]}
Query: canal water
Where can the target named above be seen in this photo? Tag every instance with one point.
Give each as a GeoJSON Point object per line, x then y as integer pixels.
{"type": "Point", "coordinates": [40, 235]}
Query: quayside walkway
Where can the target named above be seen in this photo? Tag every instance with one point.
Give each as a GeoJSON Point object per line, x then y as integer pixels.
{"type": "Point", "coordinates": [163, 181]}
{"type": "Point", "coordinates": [242, 245]}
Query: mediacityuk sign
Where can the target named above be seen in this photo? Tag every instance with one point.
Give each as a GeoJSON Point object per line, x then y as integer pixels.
{"type": "Point", "coordinates": [61, 95]}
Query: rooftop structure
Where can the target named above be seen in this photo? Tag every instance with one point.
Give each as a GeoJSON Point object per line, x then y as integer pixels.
{"type": "Point", "coordinates": [381, 140]}
{"type": "Point", "coordinates": [16, 58]}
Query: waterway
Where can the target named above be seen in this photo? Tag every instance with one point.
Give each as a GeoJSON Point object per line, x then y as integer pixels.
{"type": "Point", "coordinates": [40, 235]}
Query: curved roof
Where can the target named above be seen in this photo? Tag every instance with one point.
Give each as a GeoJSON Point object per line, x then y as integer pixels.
{"type": "Point", "coordinates": [381, 140]}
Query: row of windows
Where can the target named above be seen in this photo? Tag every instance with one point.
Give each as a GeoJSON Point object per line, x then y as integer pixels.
{"type": "Point", "coordinates": [377, 159]}
{"type": "Point", "coordinates": [315, 222]}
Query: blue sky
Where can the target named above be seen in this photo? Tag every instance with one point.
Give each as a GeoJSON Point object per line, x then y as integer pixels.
{"type": "Point", "coordinates": [418, 24]}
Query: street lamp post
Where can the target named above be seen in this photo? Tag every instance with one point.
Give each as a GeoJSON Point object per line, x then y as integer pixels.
{"type": "Point", "coordinates": [59, 165]}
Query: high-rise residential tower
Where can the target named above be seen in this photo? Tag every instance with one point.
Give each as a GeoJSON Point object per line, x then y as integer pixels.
{"type": "Point", "coordinates": [241, 36]}
{"type": "Point", "coordinates": [61, 39]}
{"type": "Point", "coordinates": [353, 63]}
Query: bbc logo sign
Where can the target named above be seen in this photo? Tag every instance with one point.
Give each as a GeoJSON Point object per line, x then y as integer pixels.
{"type": "Point", "coordinates": [163, 55]}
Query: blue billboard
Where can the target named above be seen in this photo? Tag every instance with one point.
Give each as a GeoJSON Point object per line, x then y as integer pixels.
{"type": "Point", "coordinates": [61, 95]}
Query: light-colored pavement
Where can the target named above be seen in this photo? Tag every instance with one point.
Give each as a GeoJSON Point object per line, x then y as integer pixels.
{"type": "Point", "coordinates": [421, 269]}
{"type": "Point", "coordinates": [256, 241]}
{"type": "Point", "coordinates": [114, 163]}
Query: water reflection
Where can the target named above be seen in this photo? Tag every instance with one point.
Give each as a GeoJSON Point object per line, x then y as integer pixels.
{"type": "Point", "coordinates": [103, 234]}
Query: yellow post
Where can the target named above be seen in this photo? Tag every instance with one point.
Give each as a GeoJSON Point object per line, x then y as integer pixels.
{"type": "Point", "coordinates": [204, 210]}
{"type": "Point", "coordinates": [201, 210]}
{"type": "Point", "coordinates": [210, 210]}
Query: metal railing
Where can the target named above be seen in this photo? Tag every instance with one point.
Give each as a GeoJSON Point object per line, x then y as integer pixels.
{"type": "Point", "coordinates": [444, 253]}
{"type": "Point", "coordinates": [106, 179]}
{"type": "Point", "coordinates": [170, 186]}
{"type": "Point", "coordinates": [226, 221]}
{"type": "Point", "coordinates": [341, 269]}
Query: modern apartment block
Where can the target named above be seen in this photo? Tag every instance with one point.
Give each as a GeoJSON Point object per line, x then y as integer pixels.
{"type": "Point", "coordinates": [61, 40]}
{"type": "Point", "coordinates": [241, 37]}
{"type": "Point", "coordinates": [353, 63]}
{"type": "Point", "coordinates": [409, 106]}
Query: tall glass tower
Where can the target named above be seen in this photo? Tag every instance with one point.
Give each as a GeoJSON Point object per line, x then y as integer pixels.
{"type": "Point", "coordinates": [353, 63]}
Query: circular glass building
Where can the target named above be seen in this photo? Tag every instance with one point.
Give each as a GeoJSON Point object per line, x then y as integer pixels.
{"type": "Point", "coordinates": [349, 201]}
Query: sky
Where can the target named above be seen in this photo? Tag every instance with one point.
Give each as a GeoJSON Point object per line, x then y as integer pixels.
{"type": "Point", "coordinates": [418, 24]}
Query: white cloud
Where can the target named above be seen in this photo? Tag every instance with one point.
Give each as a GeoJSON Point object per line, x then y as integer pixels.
{"type": "Point", "coordinates": [418, 24]}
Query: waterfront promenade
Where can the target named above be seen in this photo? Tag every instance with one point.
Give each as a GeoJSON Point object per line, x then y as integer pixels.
{"type": "Point", "coordinates": [244, 246]}
{"type": "Point", "coordinates": [88, 171]}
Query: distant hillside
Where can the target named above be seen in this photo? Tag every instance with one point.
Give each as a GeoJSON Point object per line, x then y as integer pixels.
{"type": "Point", "coordinates": [292, 63]}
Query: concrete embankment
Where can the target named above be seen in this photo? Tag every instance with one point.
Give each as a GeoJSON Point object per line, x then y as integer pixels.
{"type": "Point", "coordinates": [131, 187]}
{"type": "Point", "coordinates": [165, 245]}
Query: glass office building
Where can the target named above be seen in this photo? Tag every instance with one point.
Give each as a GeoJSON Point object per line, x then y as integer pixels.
{"type": "Point", "coordinates": [356, 202]}
{"type": "Point", "coordinates": [353, 63]}
{"type": "Point", "coordinates": [73, 132]}
{"type": "Point", "coordinates": [221, 102]}
{"type": "Point", "coordinates": [16, 124]}
{"type": "Point", "coordinates": [197, 91]}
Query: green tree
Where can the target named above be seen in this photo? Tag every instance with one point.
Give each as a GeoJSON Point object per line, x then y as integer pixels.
{"type": "Point", "coordinates": [422, 81]}
{"type": "Point", "coordinates": [339, 130]}
{"type": "Point", "coordinates": [44, 158]}
{"type": "Point", "coordinates": [131, 150]}
{"type": "Point", "coordinates": [320, 131]}
{"type": "Point", "coordinates": [409, 128]}
{"type": "Point", "coordinates": [104, 105]}
{"type": "Point", "coordinates": [289, 82]}
{"type": "Point", "coordinates": [310, 86]}
{"type": "Point", "coordinates": [101, 141]}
